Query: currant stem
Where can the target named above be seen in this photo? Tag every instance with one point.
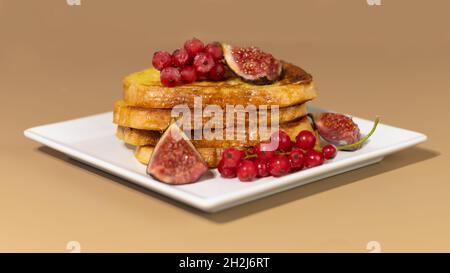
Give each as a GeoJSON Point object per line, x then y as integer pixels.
{"type": "Point", "coordinates": [362, 140]}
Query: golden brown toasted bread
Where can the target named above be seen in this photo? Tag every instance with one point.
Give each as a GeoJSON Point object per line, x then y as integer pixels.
{"type": "Point", "coordinates": [138, 137]}
{"type": "Point", "coordinates": [144, 89]}
{"type": "Point", "coordinates": [159, 119]}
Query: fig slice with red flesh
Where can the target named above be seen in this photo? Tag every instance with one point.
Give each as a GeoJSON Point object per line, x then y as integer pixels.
{"type": "Point", "coordinates": [252, 64]}
{"type": "Point", "coordinates": [335, 128]}
{"type": "Point", "coordinates": [175, 160]}
{"type": "Point", "coordinates": [340, 130]}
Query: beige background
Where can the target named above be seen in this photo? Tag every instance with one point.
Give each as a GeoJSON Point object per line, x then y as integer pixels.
{"type": "Point", "coordinates": [59, 62]}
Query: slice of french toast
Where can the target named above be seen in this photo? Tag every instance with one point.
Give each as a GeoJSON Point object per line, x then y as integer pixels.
{"type": "Point", "coordinates": [139, 137]}
{"type": "Point", "coordinates": [144, 89]}
{"type": "Point", "coordinates": [159, 119]}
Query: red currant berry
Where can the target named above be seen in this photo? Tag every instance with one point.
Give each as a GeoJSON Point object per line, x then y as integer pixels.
{"type": "Point", "coordinates": [203, 63]}
{"type": "Point", "coordinates": [225, 171]}
{"type": "Point", "coordinates": [170, 76]}
{"type": "Point", "coordinates": [306, 140]}
{"type": "Point", "coordinates": [180, 57]}
{"type": "Point", "coordinates": [329, 151]}
{"type": "Point", "coordinates": [246, 171]}
{"type": "Point", "coordinates": [202, 77]}
{"type": "Point", "coordinates": [293, 145]}
{"type": "Point", "coordinates": [188, 74]}
{"type": "Point", "coordinates": [161, 60]}
{"type": "Point", "coordinates": [313, 158]}
{"type": "Point", "coordinates": [215, 50]}
{"type": "Point", "coordinates": [217, 72]}
{"type": "Point", "coordinates": [264, 151]}
{"type": "Point", "coordinates": [279, 165]}
{"type": "Point", "coordinates": [296, 159]}
{"type": "Point", "coordinates": [193, 47]}
{"type": "Point", "coordinates": [282, 139]}
{"type": "Point", "coordinates": [231, 157]}
{"type": "Point", "coordinates": [262, 167]}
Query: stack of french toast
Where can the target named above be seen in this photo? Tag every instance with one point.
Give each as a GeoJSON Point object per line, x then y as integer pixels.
{"type": "Point", "coordinates": [145, 111]}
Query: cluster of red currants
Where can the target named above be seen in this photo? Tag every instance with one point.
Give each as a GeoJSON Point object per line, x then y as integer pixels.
{"type": "Point", "coordinates": [194, 61]}
{"type": "Point", "coordinates": [263, 160]}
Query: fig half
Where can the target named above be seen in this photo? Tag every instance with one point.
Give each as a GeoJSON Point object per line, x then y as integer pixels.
{"type": "Point", "coordinates": [340, 130]}
{"type": "Point", "coordinates": [252, 64]}
{"type": "Point", "coordinates": [337, 129]}
{"type": "Point", "coordinates": [175, 160]}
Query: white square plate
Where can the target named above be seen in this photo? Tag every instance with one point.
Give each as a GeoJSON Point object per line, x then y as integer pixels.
{"type": "Point", "coordinates": [92, 140]}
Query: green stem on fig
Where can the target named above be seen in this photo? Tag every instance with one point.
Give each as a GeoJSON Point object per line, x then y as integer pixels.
{"type": "Point", "coordinates": [362, 140]}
